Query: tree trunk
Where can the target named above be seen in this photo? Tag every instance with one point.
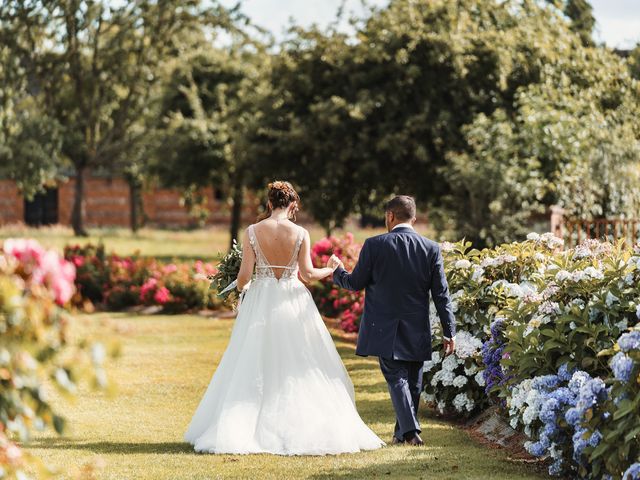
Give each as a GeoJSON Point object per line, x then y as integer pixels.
{"type": "Point", "coordinates": [236, 210]}
{"type": "Point", "coordinates": [134, 204]}
{"type": "Point", "coordinates": [77, 220]}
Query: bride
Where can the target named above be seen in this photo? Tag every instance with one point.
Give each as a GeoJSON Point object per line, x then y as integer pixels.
{"type": "Point", "coordinates": [281, 386]}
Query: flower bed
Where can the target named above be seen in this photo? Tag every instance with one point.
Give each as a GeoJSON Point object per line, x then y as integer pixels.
{"type": "Point", "coordinates": [549, 335]}
{"type": "Point", "coordinates": [117, 283]}
{"type": "Point", "coordinates": [35, 285]}
{"type": "Point", "coordinates": [332, 301]}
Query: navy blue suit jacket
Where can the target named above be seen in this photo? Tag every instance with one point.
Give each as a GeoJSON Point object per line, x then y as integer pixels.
{"type": "Point", "coordinates": [398, 271]}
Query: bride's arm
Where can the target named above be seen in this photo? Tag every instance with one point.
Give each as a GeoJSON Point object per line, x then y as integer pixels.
{"type": "Point", "coordinates": [248, 261]}
{"type": "Point", "coordinates": [307, 271]}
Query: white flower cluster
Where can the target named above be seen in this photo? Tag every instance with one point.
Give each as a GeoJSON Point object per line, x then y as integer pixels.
{"type": "Point", "coordinates": [462, 264]}
{"type": "Point", "coordinates": [589, 273]}
{"type": "Point", "coordinates": [549, 308]}
{"type": "Point", "coordinates": [497, 261]}
{"type": "Point", "coordinates": [548, 239]}
{"type": "Point", "coordinates": [514, 289]}
{"type": "Point", "coordinates": [478, 273]}
{"type": "Point", "coordinates": [462, 402]}
{"type": "Point", "coordinates": [611, 299]}
{"type": "Point", "coordinates": [591, 248]}
{"type": "Point", "coordinates": [466, 345]}
{"type": "Point", "coordinates": [447, 246]}
{"type": "Point", "coordinates": [524, 403]}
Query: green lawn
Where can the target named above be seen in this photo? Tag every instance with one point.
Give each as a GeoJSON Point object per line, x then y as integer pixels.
{"type": "Point", "coordinates": [166, 364]}
{"type": "Point", "coordinates": [187, 245]}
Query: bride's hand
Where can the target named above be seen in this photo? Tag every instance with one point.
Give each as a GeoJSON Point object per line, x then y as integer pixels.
{"type": "Point", "coordinates": [334, 262]}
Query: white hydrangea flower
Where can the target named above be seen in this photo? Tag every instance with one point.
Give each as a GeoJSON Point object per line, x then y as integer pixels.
{"type": "Point", "coordinates": [530, 414]}
{"type": "Point", "coordinates": [460, 381]}
{"type": "Point", "coordinates": [533, 236]}
{"type": "Point", "coordinates": [466, 345]}
{"type": "Point", "coordinates": [428, 398]}
{"type": "Point", "coordinates": [478, 273]}
{"type": "Point", "coordinates": [549, 308]}
{"type": "Point", "coordinates": [638, 311]}
{"type": "Point", "coordinates": [462, 264]}
{"type": "Point", "coordinates": [435, 357]}
{"type": "Point", "coordinates": [450, 362]}
{"type": "Point", "coordinates": [611, 299]}
{"type": "Point", "coordinates": [427, 366]}
{"type": "Point", "coordinates": [622, 324]}
{"type": "Point", "coordinates": [594, 273]}
{"type": "Point", "coordinates": [479, 378]}
{"type": "Point", "coordinates": [579, 276]}
{"type": "Point", "coordinates": [488, 262]}
{"type": "Point", "coordinates": [447, 246]}
{"type": "Point", "coordinates": [460, 402]}
{"type": "Point", "coordinates": [470, 370]}
{"type": "Point", "coordinates": [563, 275]}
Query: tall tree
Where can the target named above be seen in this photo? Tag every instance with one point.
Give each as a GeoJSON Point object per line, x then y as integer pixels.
{"type": "Point", "coordinates": [29, 140]}
{"type": "Point", "coordinates": [211, 121]}
{"type": "Point", "coordinates": [96, 63]}
{"type": "Point", "coordinates": [359, 117]}
{"type": "Point", "coordinates": [580, 12]}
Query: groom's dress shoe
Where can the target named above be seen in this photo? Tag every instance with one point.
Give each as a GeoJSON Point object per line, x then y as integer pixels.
{"type": "Point", "coordinates": [414, 440]}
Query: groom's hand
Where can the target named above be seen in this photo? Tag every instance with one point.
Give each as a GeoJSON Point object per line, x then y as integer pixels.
{"type": "Point", "coordinates": [449, 346]}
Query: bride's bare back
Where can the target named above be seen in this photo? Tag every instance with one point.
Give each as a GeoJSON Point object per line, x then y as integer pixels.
{"type": "Point", "coordinates": [277, 240]}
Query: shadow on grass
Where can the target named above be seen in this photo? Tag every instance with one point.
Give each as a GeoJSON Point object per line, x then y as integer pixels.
{"type": "Point", "coordinates": [419, 465]}
{"type": "Point", "coordinates": [114, 447]}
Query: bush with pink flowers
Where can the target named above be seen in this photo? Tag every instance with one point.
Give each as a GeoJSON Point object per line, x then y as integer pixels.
{"type": "Point", "coordinates": [35, 285]}
{"type": "Point", "coordinates": [332, 301]}
{"type": "Point", "coordinates": [115, 283]}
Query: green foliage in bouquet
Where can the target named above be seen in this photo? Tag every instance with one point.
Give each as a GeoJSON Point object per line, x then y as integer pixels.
{"type": "Point", "coordinates": [227, 273]}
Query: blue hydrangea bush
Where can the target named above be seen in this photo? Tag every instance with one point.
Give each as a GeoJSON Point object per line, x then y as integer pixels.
{"type": "Point", "coordinates": [554, 344]}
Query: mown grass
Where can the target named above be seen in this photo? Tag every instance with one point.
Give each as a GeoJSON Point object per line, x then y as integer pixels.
{"type": "Point", "coordinates": [166, 364]}
{"type": "Point", "coordinates": [187, 245]}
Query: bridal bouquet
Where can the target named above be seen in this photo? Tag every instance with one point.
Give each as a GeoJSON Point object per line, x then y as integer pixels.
{"type": "Point", "coordinates": [224, 281]}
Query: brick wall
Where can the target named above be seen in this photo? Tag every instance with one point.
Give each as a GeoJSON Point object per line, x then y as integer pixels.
{"type": "Point", "coordinates": [106, 204]}
{"type": "Point", "coordinates": [11, 203]}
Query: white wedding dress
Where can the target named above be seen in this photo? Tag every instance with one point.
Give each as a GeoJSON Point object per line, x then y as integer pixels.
{"type": "Point", "coordinates": [281, 386]}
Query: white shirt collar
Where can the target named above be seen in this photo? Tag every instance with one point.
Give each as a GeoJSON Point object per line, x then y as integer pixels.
{"type": "Point", "coordinates": [403, 225]}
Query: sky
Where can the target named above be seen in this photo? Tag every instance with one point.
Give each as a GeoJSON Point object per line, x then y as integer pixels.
{"type": "Point", "coordinates": [618, 21]}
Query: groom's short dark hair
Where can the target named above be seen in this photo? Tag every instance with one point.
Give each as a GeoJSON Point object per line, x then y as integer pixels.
{"type": "Point", "coordinates": [402, 206]}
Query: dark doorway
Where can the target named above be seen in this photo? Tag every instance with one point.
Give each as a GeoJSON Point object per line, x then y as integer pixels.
{"type": "Point", "coordinates": [43, 209]}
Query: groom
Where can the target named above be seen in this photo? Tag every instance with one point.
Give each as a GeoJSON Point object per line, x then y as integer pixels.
{"type": "Point", "coordinates": [398, 270]}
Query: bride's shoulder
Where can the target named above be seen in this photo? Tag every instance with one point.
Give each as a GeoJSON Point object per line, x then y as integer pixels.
{"type": "Point", "coordinates": [303, 232]}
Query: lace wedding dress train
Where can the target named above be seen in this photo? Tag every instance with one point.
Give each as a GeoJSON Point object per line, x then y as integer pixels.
{"type": "Point", "coordinates": [281, 386]}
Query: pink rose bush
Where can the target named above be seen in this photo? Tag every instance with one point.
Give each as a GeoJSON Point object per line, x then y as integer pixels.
{"type": "Point", "coordinates": [115, 283]}
{"type": "Point", "coordinates": [43, 267]}
{"type": "Point", "coordinates": [35, 284]}
{"type": "Point", "coordinates": [332, 301]}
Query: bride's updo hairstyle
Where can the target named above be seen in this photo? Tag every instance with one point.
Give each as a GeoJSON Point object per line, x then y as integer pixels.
{"type": "Point", "coordinates": [280, 195]}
